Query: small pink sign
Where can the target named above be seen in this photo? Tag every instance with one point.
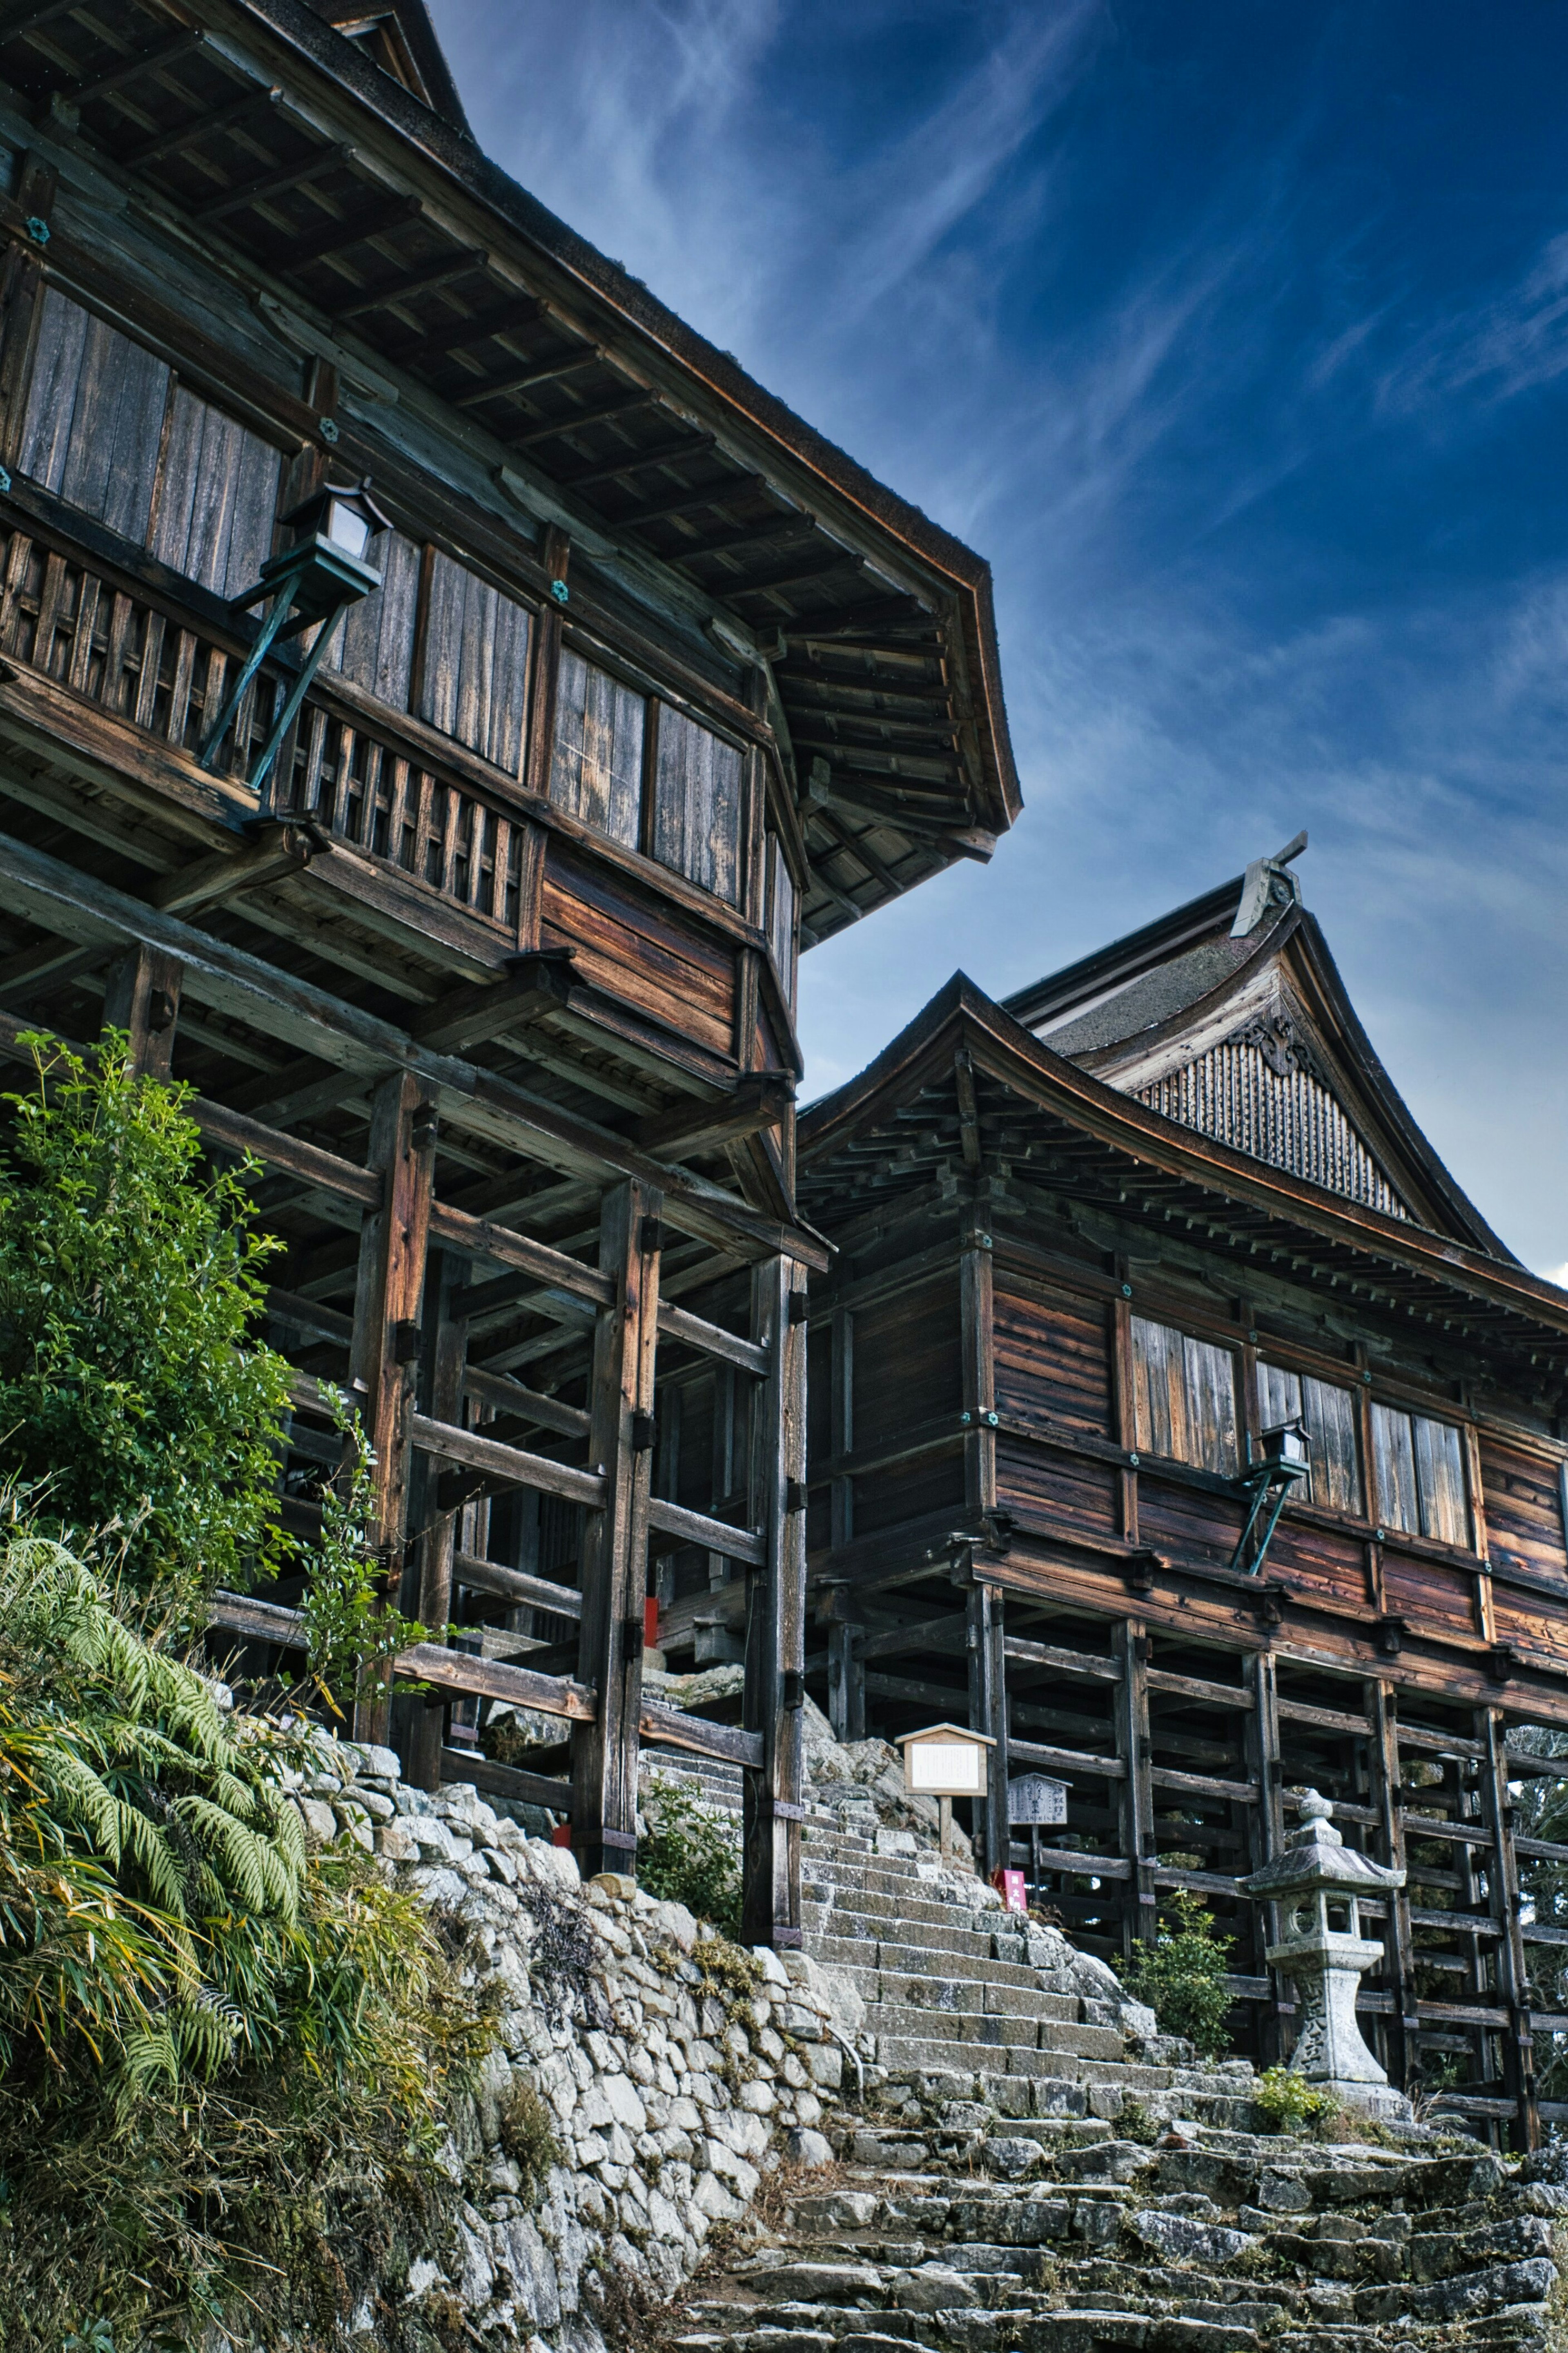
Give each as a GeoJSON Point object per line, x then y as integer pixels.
{"type": "Point", "coordinates": [1011, 1887]}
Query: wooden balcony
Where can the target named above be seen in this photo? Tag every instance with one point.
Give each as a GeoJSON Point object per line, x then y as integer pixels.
{"type": "Point", "coordinates": [112, 666]}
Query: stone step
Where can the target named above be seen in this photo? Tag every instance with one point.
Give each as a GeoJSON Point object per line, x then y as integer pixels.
{"type": "Point", "coordinates": [902, 1979]}
{"type": "Point", "coordinates": [895, 2020]}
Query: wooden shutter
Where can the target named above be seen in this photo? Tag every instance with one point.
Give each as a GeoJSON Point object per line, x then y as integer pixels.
{"type": "Point", "coordinates": [596, 766]}
{"type": "Point", "coordinates": [1329, 1414]}
{"type": "Point", "coordinates": [1440, 1482]}
{"type": "Point", "coordinates": [94, 416]}
{"type": "Point", "coordinates": [1393, 1462]}
{"type": "Point", "coordinates": [1184, 1397]}
{"type": "Point", "coordinates": [375, 643]}
{"type": "Point", "coordinates": [217, 495]}
{"type": "Point", "coordinates": [1156, 1376]}
{"type": "Point", "coordinates": [475, 681]}
{"type": "Point", "coordinates": [1279, 1395]}
{"type": "Point", "coordinates": [697, 805]}
{"type": "Point", "coordinates": [1209, 1377]}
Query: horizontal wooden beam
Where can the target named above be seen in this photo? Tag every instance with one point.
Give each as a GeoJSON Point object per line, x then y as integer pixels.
{"type": "Point", "coordinates": [716, 1535]}
{"type": "Point", "coordinates": [1066, 1760]}
{"type": "Point", "coordinates": [516, 1584]}
{"type": "Point", "coordinates": [493, 1780]}
{"type": "Point", "coordinates": [504, 1396]}
{"type": "Point", "coordinates": [513, 1465]}
{"type": "Point", "coordinates": [757, 1102]}
{"type": "Point", "coordinates": [455, 1230]}
{"type": "Point", "coordinates": [310, 1315]}
{"type": "Point", "coordinates": [61, 899]}
{"type": "Point", "coordinates": [431, 1662]}
{"type": "Point", "coordinates": [1078, 1866]}
{"type": "Point", "coordinates": [679, 1323]}
{"type": "Point", "coordinates": [328, 1171]}
{"type": "Point", "coordinates": [677, 1730]}
{"type": "Point", "coordinates": [468, 1016]}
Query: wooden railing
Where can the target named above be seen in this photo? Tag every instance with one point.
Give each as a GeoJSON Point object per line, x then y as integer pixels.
{"type": "Point", "coordinates": [120, 649]}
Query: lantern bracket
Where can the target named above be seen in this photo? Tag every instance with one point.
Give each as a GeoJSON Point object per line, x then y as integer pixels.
{"type": "Point", "coordinates": [312, 582]}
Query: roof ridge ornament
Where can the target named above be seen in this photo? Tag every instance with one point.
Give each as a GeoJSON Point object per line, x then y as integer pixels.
{"type": "Point", "coordinates": [1265, 885]}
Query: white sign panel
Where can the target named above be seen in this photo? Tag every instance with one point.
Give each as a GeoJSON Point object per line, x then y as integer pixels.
{"type": "Point", "coordinates": [1035, 1797]}
{"type": "Point", "coordinates": [946, 1768]}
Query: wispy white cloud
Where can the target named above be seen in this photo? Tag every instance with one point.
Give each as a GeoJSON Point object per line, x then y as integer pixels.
{"type": "Point", "coordinates": [869, 250]}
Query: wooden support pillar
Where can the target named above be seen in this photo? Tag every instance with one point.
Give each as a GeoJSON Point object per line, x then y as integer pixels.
{"type": "Point", "coordinates": [1266, 1833]}
{"type": "Point", "coordinates": [1503, 1900]}
{"type": "Point", "coordinates": [984, 1609]}
{"type": "Point", "coordinates": [775, 1617]}
{"type": "Point", "coordinates": [841, 1427]}
{"type": "Point", "coordinates": [979, 1391]}
{"type": "Point", "coordinates": [142, 998]}
{"type": "Point", "coordinates": [1398, 1960]}
{"type": "Point", "coordinates": [1124, 1400]}
{"type": "Point", "coordinates": [846, 1670]}
{"type": "Point", "coordinates": [614, 1551]}
{"type": "Point", "coordinates": [1131, 1650]}
{"type": "Point", "coordinates": [384, 1346]}
{"type": "Point", "coordinates": [438, 1541]}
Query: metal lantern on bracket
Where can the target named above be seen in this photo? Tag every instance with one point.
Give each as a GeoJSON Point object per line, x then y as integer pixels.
{"type": "Point", "coordinates": [1285, 1459]}
{"type": "Point", "coordinates": [311, 581]}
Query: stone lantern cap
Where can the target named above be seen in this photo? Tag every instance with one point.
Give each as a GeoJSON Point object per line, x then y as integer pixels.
{"type": "Point", "coordinates": [1317, 1858]}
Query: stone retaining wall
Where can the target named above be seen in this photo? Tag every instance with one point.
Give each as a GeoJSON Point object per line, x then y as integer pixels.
{"type": "Point", "coordinates": [670, 2088]}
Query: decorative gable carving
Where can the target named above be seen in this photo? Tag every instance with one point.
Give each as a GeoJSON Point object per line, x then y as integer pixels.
{"type": "Point", "coordinates": [1262, 1091]}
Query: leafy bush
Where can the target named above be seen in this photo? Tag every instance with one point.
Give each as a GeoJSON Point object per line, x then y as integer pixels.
{"type": "Point", "coordinates": [690, 1854]}
{"type": "Point", "coordinates": [130, 1391]}
{"type": "Point", "coordinates": [226, 2060]}
{"type": "Point", "coordinates": [1182, 1975]}
{"type": "Point", "coordinates": [1289, 2102]}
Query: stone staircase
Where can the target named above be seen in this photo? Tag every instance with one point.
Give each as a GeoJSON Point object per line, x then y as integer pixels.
{"type": "Point", "coordinates": [950, 1991]}
{"type": "Point", "coordinates": [1012, 2174]}
{"type": "Point", "coordinates": [1207, 2240]}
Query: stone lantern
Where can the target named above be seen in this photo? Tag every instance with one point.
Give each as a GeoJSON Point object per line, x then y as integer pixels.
{"type": "Point", "coordinates": [1318, 1883]}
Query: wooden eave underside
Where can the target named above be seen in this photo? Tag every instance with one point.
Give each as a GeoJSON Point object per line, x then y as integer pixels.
{"type": "Point", "coordinates": [887, 1134]}
{"type": "Point", "coordinates": [877, 627]}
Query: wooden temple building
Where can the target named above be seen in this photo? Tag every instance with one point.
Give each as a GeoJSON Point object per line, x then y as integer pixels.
{"type": "Point", "coordinates": [1093, 1246]}
{"type": "Point", "coordinates": [439, 696]}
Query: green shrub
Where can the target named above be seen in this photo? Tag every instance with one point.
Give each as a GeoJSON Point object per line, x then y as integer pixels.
{"type": "Point", "coordinates": [1289, 2102]}
{"type": "Point", "coordinates": [1182, 1975]}
{"type": "Point", "coordinates": [131, 1393]}
{"type": "Point", "coordinates": [226, 2062]}
{"type": "Point", "coordinates": [690, 1854]}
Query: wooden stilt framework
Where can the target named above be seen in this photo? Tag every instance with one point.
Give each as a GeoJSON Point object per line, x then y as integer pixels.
{"type": "Point", "coordinates": [427, 1402]}
{"type": "Point", "coordinates": [1032, 1272]}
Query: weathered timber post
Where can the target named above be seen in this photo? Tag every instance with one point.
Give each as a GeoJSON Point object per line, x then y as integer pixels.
{"type": "Point", "coordinates": [976, 1312]}
{"type": "Point", "coordinates": [438, 1541]}
{"type": "Point", "coordinates": [615, 1550]}
{"type": "Point", "coordinates": [1265, 1824]}
{"type": "Point", "coordinates": [383, 1345]}
{"type": "Point", "coordinates": [775, 1615]}
{"type": "Point", "coordinates": [985, 1612]}
{"type": "Point", "coordinates": [1399, 1967]}
{"type": "Point", "coordinates": [1131, 1650]}
{"type": "Point", "coordinates": [143, 999]}
{"type": "Point", "coordinates": [1503, 1900]}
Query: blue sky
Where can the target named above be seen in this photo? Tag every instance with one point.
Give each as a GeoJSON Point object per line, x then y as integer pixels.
{"type": "Point", "coordinates": [1237, 337]}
